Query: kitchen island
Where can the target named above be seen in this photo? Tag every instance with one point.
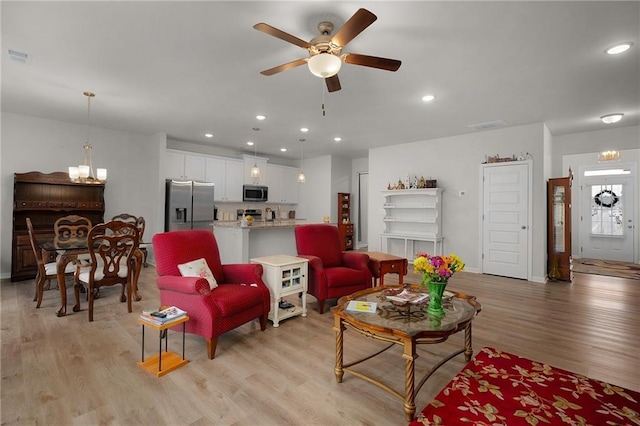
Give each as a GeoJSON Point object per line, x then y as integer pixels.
{"type": "Point", "coordinates": [238, 244]}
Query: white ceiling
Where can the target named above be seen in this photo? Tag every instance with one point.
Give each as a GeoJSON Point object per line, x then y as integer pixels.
{"type": "Point", "coordinates": [187, 68]}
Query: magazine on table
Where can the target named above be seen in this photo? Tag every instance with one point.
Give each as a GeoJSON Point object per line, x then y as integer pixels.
{"type": "Point", "coordinates": [360, 306]}
{"type": "Point", "coordinates": [408, 296]}
{"type": "Point", "coordinates": [163, 316]}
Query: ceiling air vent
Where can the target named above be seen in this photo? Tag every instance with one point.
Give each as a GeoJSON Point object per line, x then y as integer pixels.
{"type": "Point", "coordinates": [16, 55]}
{"type": "Point", "coordinates": [488, 125]}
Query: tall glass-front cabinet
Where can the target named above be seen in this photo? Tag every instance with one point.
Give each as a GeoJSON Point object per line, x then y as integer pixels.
{"type": "Point", "coordinates": [559, 261]}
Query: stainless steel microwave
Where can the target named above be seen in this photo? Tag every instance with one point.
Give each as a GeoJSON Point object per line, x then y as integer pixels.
{"type": "Point", "coordinates": [255, 193]}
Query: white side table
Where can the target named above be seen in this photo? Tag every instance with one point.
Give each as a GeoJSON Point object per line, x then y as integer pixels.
{"type": "Point", "coordinates": [285, 275]}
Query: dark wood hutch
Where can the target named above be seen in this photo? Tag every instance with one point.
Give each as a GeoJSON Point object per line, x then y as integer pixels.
{"type": "Point", "coordinates": [345, 227]}
{"type": "Point", "coordinates": [44, 198]}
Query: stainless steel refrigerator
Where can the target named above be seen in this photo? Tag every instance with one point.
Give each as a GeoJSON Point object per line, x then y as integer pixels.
{"type": "Point", "coordinates": [188, 205]}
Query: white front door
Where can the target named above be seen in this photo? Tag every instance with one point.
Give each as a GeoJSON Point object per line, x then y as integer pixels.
{"type": "Point", "coordinates": [606, 217]}
{"type": "Point", "coordinates": [505, 220]}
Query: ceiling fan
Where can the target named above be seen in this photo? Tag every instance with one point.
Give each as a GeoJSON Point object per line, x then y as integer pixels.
{"type": "Point", "coordinates": [325, 50]}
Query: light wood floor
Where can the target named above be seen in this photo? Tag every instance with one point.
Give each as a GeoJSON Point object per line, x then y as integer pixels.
{"type": "Point", "coordinates": [63, 371]}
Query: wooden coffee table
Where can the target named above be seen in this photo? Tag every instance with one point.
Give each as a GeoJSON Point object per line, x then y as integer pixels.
{"type": "Point", "coordinates": [403, 326]}
{"type": "Point", "coordinates": [383, 263]}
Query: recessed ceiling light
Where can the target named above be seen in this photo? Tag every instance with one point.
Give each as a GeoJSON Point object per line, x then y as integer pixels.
{"type": "Point", "coordinates": [249, 143]}
{"type": "Point", "coordinates": [208, 135]}
{"type": "Point", "coordinates": [337, 139]}
{"type": "Point", "coordinates": [612, 118]}
{"type": "Point", "coordinates": [304, 129]}
{"type": "Point", "coordinates": [619, 48]}
{"type": "Point", "coordinates": [428, 98]}
{"type": "Point", "coordinates": [261, 117]}
{"type": "Point", "coordinates": [283, 149]}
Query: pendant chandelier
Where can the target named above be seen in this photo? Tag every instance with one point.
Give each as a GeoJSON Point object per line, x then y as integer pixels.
{"type": "Point", "coordinates": [301, 177]}
{"type": "Point", "coordinates": [255, 170]}
{"type": "Point", "coordinates": [84, 172]}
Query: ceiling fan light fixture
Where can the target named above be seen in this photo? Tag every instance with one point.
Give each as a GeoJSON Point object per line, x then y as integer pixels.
{"type": "Point", "coordinates": [324, 65]}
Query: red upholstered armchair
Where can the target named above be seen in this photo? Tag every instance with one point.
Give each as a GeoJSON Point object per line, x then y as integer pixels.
{"type": "Point", "coordinates": [240, 297]}
{"type": "Point", "coordinates": [332, 272]}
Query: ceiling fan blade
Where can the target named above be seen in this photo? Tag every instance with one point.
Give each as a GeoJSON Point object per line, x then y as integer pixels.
{"type": "Point", "coordinates": [284, 67]}
{"type": "Point", "coordinates": [272, 31]}
{"type": "Point", "coordinates": [354, 26]}
{"type": "Point", "coordinates": [372, 61]}
{"type": "Point", "coordinates": [333, 83]}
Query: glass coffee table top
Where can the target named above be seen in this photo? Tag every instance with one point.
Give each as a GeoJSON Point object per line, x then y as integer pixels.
{"type": "Point", "coordinates": [410, 319]}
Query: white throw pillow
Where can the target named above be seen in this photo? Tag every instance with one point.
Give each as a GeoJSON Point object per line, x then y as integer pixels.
{"type": "Point", "coordinates": [198, 268]}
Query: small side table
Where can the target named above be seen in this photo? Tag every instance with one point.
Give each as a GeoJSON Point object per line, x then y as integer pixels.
{"type": "Point", "coordinates": [164, 362]}
{"type": "Point", "coordinates": [383, 263]}
{"type": "Point", "coordinates": [285, 275]}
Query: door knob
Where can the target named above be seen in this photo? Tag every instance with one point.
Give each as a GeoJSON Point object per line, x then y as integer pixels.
{"type": "Point", "coordinates": [523, 227]}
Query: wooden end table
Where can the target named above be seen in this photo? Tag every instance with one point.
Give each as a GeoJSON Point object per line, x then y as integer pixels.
{"type": "Point", "coordinates": [285, 276]}
{"type": "Point", "coordinates": [383, 263]}
{"type": "Point", "coordinates": [164, 362]}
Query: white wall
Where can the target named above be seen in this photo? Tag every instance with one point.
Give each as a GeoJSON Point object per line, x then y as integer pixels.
{"type": "Point", "coordinates": [36, 144]}
{"type": "Point", "coordinates": [592, 142]}
{"type": "Point", "coordinates": [314, 198]}
{"type": "Point", "coordinates": [455, 163]}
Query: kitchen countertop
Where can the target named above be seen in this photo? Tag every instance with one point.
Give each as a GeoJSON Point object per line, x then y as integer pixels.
{"type": "Point", "coordinates": [259, 224]}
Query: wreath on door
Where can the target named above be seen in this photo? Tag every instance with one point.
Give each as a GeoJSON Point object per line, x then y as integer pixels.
{"type": "Point", "coordinates": [606, 198]}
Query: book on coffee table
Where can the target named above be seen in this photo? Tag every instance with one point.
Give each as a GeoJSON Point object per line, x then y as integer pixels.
{"type": "Point", "coordinates": [408, 296]}
{"type": "Point", "coordinates": [360, 306]}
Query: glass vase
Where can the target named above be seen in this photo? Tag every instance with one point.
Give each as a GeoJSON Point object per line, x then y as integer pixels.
{"type": "Point", "coordinates": [436, 289]}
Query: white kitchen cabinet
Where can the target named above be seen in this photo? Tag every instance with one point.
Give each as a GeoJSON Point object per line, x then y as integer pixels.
{"type": "Point", "coordinates": [290, 184]}
{"type": "Point", "coordinates": [412, 217]}
{"type": "Point", "coordinates": [226, 174]}
{"type": "Point", "coordinates": [185, 166]}
{"type": "Point", "coordinates": [283, 184]}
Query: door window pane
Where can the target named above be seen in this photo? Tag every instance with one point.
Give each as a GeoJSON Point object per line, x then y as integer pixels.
{"type": "Point", "coordinates": [606, 210]}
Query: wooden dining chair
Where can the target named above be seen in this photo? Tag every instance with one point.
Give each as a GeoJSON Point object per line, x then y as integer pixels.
{"type": "Point", "coordinates": [71, 229]}
{"type": "Point", "coordinates": [46, 271]}
{"type": "Point", "coordinates": [140, 256]}
{"type": "Point", "coordinates": [140, 223]}
{"type": "Point", "coordinates": [112, 246]}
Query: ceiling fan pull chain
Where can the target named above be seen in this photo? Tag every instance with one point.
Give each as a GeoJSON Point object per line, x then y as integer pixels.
{"type": "Point", "coordinates": [324, 113]}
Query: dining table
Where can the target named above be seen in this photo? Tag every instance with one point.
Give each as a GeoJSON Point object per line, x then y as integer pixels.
{"type": "Point", "coordinates": [69, 251]}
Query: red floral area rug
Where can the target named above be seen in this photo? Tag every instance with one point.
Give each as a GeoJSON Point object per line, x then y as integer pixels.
{"type": "Point", "coordinates": [498, 388]}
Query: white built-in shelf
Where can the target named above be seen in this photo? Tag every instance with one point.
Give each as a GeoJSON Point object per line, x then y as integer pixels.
{"type": "Point", "coordinates": [412, 217]}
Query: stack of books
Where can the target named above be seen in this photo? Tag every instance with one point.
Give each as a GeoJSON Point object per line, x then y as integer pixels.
{"type": "Point", "coordinates": [164, 316]}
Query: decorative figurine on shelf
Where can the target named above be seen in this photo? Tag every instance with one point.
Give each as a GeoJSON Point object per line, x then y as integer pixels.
{"type": "Point", "coordinates": [422, 183]}
{"type": "Point", "coordinates": [400, 185]}
{"type": "Point", "coordinates": [389, 187]}
{"type": "Point", "coordinates": [407, 181]}
{"type": "Point", "coordinates": [414, 185]}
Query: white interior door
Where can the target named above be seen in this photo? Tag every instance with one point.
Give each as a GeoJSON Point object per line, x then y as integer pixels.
{"type": "Point", "coordinates": [606, 218]}
{"type": "Point", "coordinates": [505, 220]}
